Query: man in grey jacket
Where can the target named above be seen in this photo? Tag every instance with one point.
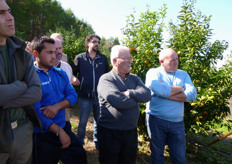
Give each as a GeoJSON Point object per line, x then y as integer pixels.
{"type": "Point", "coordinates": [119, 93]}
{"type": "Point", "coordinates": [19, 88]}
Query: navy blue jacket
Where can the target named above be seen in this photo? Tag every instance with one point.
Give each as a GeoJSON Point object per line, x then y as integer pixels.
{"type": "Point", "coordinates": [89, 72]}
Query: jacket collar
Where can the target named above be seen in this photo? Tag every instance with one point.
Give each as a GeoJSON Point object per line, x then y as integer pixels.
{"type": "Point", "coordinates": [14, 43]}
{"type": "Point", "coordinates": [97, 55]}
{"type": "Point", "coordinates": [42, 70]}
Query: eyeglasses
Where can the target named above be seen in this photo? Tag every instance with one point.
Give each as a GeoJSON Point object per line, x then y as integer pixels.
{"type": "Point", "coordinates": [126, 58]}
{"type": "Point", "coordinates": [95, 41]}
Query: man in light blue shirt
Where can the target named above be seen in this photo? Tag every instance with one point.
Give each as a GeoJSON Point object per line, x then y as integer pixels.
{"type": "Point", "coordinates": [170, 88]}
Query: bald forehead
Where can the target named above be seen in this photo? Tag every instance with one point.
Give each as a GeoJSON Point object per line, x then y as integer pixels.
{"type": "Point", "coordinates": [165, 53]}
{"type": "Point", "coordinates": [57, 36]}
{"type": "Point", "coordinates": [58, 43]}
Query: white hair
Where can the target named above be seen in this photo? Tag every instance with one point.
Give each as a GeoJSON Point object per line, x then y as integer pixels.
{"type": "Point", "coordinates": [115, 50]}
{"type": "Point", "coordinates": [57, 36]}
{"type": "Point", "coordinates": [164, 53]}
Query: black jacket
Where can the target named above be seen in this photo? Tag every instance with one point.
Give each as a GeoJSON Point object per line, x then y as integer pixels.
{"type": "Point", "coordinates": [89, 71]}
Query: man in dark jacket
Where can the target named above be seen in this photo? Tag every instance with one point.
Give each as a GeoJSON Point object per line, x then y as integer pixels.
{"type": "Point", "coordinates": [19, 88]}
{"type": "Point", "coordinates": [89, 66]}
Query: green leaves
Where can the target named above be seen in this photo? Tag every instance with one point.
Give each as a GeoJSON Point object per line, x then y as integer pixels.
{"type": "Point", "coordinates": [191, 36]}
{"type": "Point", "coordinates": [144, 37]}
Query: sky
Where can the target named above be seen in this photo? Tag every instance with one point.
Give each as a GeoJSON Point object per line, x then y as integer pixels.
{"type": "Point", "coordinates": [108, 17]}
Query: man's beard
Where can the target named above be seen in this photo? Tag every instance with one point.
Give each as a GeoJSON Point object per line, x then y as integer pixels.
{"type": "Point", "coordinates": [95, 49]}
{"type": "Point", "coordinates": [59, 56]}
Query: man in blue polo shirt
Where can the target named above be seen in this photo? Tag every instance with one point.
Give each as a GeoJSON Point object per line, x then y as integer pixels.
{"type": "Point", "coordinates": [56, 141]}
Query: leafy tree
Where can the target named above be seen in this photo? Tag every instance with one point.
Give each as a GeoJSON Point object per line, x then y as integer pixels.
{"type": "Point", "coordinates": [190, 37]}
{"type": "Point", "coordinates": [106, 45]}
{"type": "Point", "coordinates": [38, 17]}
{"type": "Point", "coordinates": [144, 37]}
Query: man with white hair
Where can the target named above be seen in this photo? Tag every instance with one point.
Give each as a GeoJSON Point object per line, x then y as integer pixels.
{"type": "Point", "coordinates": [170, 88]}
{"type": "Point", "coordinates": [55, 36]}
{"type": "Point", "coordinates": [119, 93]}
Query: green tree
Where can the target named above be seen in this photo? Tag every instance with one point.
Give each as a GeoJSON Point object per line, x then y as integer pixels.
{"type": "Point", "coordinates": [38, 17]}
{"type": "Point", "coordinates": [73, 41]}
{"type": "Point", "coordinates": [190, 37]}
{"type": "Point", "coordinates": [106, 45]}
{"type": "Point", "coordinates": [144, 37]}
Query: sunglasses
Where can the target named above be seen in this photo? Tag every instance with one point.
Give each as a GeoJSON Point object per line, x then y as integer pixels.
{"type": "Point", "coordinates": [95, 41]}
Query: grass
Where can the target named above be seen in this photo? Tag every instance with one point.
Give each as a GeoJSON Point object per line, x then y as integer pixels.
{"type": "Point", "coordinates": [197, 151]}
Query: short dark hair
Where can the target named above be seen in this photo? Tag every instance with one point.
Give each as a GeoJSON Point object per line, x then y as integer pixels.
{"type": "Point", "coordinates": [90, 37]}
{"type": "Point", "coordinates": [38, 43]}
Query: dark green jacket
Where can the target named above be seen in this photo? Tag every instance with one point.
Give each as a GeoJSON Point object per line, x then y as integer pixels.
{"type": "Point", "coordinates": [16, 94]}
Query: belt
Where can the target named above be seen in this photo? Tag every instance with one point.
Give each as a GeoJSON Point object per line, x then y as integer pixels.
{"type": "Point", "coordinates": [19, 122]}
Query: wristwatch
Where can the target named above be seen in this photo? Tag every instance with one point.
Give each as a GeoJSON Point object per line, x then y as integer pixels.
{"type": "Point", "coordinates": [58, 132]}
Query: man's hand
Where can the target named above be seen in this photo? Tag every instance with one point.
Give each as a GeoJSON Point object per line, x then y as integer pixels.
{"type": "Point", "coordinates": [24, 83]}
{"type": "Point", "coordinates": [176, 90]}
{"type": "Point", "coordinates": [63, 136]}
{"type": "Point", "coordinates": [126, 93]}
{"type": "Point", "coordinates": [75, 81]}
{"type": "Point", "coordinates": [138, 87]}
{"type": "Point", "coordinates": [64, 139]}
{"type": "Point", "coordinates": [50, 111]}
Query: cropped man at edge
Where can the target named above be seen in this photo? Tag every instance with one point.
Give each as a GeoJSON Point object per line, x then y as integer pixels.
{"type": "Point", "coordinates": [89, 66]}
{"type": "Point", "coordinates": [56, 141]}
{"type": "Point", "coordinates": [19, 88]}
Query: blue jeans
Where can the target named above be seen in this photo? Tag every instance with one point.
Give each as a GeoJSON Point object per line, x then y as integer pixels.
{"type": "Point", "coordinates": [85, 106]}
{"type": "Point", "coordinates": [116, 146]}
{"type": "Point", "coordinates": [163, 132]}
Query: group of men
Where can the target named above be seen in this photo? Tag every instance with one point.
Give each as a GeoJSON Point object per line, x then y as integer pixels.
{"type": "Point", "coordinates": [34, 123]}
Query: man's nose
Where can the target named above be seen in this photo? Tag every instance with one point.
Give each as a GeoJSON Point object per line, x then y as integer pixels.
{"type": "Point", "coordinates": [9, 16]}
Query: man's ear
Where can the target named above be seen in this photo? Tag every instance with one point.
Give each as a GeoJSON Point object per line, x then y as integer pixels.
{"type": "Point", "coordinates": [35, 53]}
{"type": "Point", "coordinates": [161, 61]}
{"type": "Point", "coordinates": [114, 61]}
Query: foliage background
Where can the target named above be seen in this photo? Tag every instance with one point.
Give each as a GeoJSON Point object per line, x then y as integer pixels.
{"type": "Point", "coordinates": [190, 36]}
{"type": "Point", "coordinates": [35, 18]}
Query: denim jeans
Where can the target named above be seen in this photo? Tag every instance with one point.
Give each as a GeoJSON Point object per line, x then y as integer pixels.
{"type": "Point", "coordinates": [163, 132]}
{"type": "Point", "coordinates": [47, 149]}
{"type": "Point", "coordinates": [85, 106]}
{"type": "Point", "coordinates": [116, 146]}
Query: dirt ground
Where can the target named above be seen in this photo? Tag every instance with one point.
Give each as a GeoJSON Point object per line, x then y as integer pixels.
{"type": "Point", "coordinates": [92, 153]}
